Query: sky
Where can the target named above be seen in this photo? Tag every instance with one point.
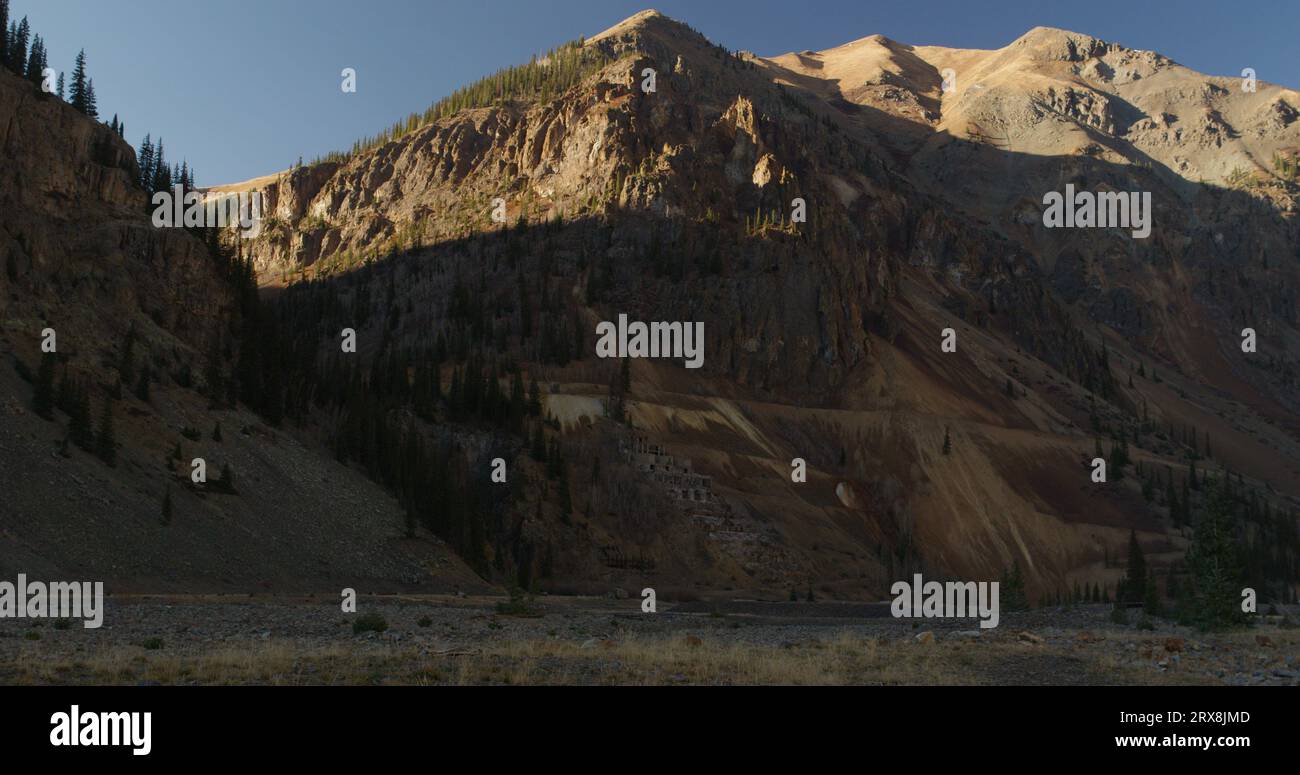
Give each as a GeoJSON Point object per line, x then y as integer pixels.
{"type": "Point", "coordinates": [243, 88]}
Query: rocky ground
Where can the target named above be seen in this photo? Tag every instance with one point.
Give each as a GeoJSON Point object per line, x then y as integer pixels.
{"type": "Point", "coordinates": [559, 640]}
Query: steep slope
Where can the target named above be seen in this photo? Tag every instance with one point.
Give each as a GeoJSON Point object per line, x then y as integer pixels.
{"type": "Point", "coordinates": [79, 256]}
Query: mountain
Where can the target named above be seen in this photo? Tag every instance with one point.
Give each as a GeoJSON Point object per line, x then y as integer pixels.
{"type": "Point", "coordinates": [126, 300]}
{"type": "Point", "coordinates": [823, 338]}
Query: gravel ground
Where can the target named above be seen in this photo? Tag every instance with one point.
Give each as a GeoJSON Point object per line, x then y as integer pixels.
{"type": "Point", "coordinates": [269, 639]}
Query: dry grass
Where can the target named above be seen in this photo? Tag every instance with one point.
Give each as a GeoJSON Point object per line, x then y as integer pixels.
{"type": "Point", "coordinates": [846, 659]}
{"type": "Point", "coordinates": [839, 659]}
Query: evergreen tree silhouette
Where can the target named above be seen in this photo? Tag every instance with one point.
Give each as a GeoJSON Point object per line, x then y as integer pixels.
{"type": "Point", "coordinates": [106, 441]}
{"type": "Point", "coordinates": [77, 90]}
{"type": "Point", "coordinates": [43, 399]}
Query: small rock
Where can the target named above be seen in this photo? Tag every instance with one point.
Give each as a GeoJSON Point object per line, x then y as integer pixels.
{"type": "Point", "coordinates": [925, 637]}
{"type": "Point", "coordinates": [967, 634]}
{"type": "Point", "coordinates": [1174, 644]}
{"type": "Point", "coordinates": [1264, 641]}
{"type": "Point", "coordinates": [1029, 637]}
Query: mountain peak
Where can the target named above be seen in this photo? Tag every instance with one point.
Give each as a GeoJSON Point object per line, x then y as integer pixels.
{"type": "Point", "coordinates": [636, 21]}
{"type": "Point", "coordinates": [1054, 43]}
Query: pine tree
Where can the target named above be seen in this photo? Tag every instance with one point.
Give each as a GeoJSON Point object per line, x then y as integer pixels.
{"type": "Point", "coordinates": [77, 91]}
{"type": "Point", "coordinates": [92, 107]}
{"type": "Point", "coordinates": [566, 502]}
{"type": "Point", "coordinates": [1011, 589]}
{"type": "Point", "coordinates": [79, 427]}
{"type": "Point", "coordinates": [4, 33]}
{"type": "Point", "coordinates": [539, 444]}
{"type": "Point", "coordinates": [534, 399]}
{"type": "Point", "coordinates": [18, 47]}
{"type": "Point", "coordinates": [161, 174]}
{"type": "Point", "coordinates": [60, 88]}
{"type": "Point", "coordinates": [1215, 564]}
{"type": "Point", "coordinates": [105, 441]}
{"type": "Point", "coordinates": [947, 442]}
{"type": "Point", "coordinates": [216, 433]}
{"type": "Point", "coordinates": [142, 387]}
{"type": "Point", "coordinates": [1135, 579]}
{"type": "Point", "coordinates": [146, 157]}
{"type": "Point", "coordinates": [167, 507]}
{"type": "Point", "coordinates": [43, 399]}
{"type": "Point", "coordinates": [1151, 598]}
{"type": "Point", "coordinates": [35, 68]}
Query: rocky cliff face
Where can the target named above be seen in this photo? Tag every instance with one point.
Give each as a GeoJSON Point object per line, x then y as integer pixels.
{"type": "Point", "coordinates": [79, 255]}
{"type": "Point", "coordinates": [76, 245]}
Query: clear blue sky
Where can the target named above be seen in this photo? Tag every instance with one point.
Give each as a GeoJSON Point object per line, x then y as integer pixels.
{"type": "Point", "coordinates": [242, 88]}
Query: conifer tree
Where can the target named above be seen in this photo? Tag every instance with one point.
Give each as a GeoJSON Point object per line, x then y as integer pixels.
{"type": "Point", "coordinates": [35, 68]}
{"type": "Point", "coordinates": [77, 91]}
{"type": "Point", "coordinates": [79, 427]}
{"type": "Point", "coordinates": [1215, 564]}
{"type": "Point", "coordinates": [92, 107]}
{"type": "Point", "coordinates": [59, 88]}
{"type": "Point", "coordinates": [566, 501]}
{"type": "Point", "coordinates": [947, 442]}
{"type": "Point", "coordinates": [4, 33]}
{"type": "Point", "coordinates": [1135, 579]}
{"type": "Point", "coordinates": [1011, 589]}
{"type": "Point", "coordinates": [1151, 598]}
{"type": "Point", "coordinates": [18, 46]}
{"type": "Point", "coordinates": [142, 387]}
{"type": "Point", "coordinates": [534, 399]}
{"type": "Point", "coordinates": [167, 506]}
{"type": "Point", "coordinates": [106, 441]}
{"type": "Point", "coordinates": [43, 399]}
{"type": "Point", "coordinates": [146, 157]}
{"type": "Point", "coordinates": [161, 173]}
